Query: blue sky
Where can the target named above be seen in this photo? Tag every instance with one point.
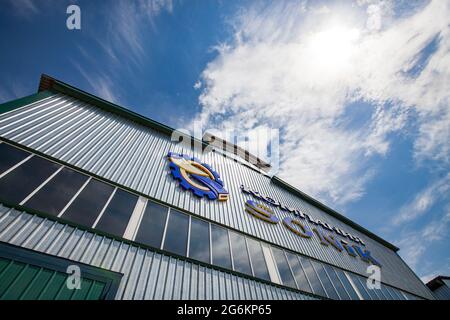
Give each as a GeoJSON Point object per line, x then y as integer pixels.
{"type": "Point", "coordinates": [358, 92]}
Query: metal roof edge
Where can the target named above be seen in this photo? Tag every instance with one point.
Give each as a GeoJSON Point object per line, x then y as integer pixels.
{"type": "Point", "coordinates": [48, 83]}
{"type": "Point", "coordinates": [437, 282]}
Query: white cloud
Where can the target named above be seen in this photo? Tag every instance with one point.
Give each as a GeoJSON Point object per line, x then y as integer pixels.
{"type": "Point", "coordinates": [423, 201]}
{"type": "Point", "coordinates": [298, 68]}
{"type": "Point", "coordinates": [130, 25]}
{"type": "Point", "coordinates": [415, 243]}
{"type": "Point", "coordinates": [100, 83]}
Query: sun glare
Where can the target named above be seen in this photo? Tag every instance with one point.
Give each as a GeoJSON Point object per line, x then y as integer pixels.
{"type": "Point", "coordinates": [333, 47]}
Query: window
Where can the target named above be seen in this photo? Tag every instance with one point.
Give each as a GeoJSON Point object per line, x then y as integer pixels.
{"type": "Point", "coordinates": [199, 241]}
{"type": "Point", "coordinates": [240, 254]}
{"type": "Point", "coordinates": [299, 274]}
{"type": "Point", "coordinates": [360, 287]}
{"type": "Point", "coordinates": [312, 277]}
{"type": "Point", "coordinates": [89, 203]}
{"type": "Point", "coordinates": [10, 156]}
{"type": "Point", "coordinates": [395, 293]}
{"type": "Point", "coordinates": [386, 292]}
{"type": "Point", "coordinates": [348, 286]}
{"type": "Point", "coordinates": [116, 216]}
{"type": "Point", "coordinates": [220, 246]}
{"type": "Point", "coordinates": [19, 183]}
{"type": "Point", "coordinates": [258, 261]}
{"type": "Point", "coordinates": [283, 268]}
{"type": "Point", "coordinates": [370, 292]}
{"type": "Point", "coordinates": [56, 193]}
{"type": "Point", "coordinates": [151, 229]}
{"type": "Point", "coordinates": [177, 233]}
{"type": "Point", "coordinates": [380, 294]}
{"type": "Point", "coordinates": [336, 282]}
{"type": "Point", "coordinates": [332, 294]}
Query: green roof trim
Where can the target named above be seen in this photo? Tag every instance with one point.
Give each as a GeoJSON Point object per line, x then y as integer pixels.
{"type": "Point", "coordinates": [14, 104]}
{"type": "Point", "coordinates": [49, 85]}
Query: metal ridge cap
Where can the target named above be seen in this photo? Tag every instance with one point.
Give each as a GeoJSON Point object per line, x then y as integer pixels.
{"type": "Point", "coordinates": [333, 213]}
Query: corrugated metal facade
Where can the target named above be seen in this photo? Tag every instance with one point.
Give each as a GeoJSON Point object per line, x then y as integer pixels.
{"type": "Point", "coordinates": [132, 155]}
{"type": "Point", "coordinates": [147, 274]}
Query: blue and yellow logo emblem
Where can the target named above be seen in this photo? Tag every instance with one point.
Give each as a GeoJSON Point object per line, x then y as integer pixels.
{"type": "Point", "coordinates": [196, 176]}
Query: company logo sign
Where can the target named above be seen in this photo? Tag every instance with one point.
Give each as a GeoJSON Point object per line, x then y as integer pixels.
{"type": "Point", "coordinates": [260, 211]}
{"type": "Point", "coordinates": [298, 227]}
{"type": "Point", "coordinates": [197, 177]}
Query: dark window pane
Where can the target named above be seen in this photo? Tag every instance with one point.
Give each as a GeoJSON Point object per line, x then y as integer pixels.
{"type": "Point", "coordinates": [152, 225]}
{"type": "Point", "coordinates": [332, 294]}
{"type": "Point", "coordinates": [88, 204]}
{"type": "Point", "coordinates": [199, 242]}
{"type": "Point", "coordinates": [410, 296]}
{"type": "Point", "coordinates": [240, 254]}
{"type": "Point", "coordinates": [56, 193]}
{"type": "Point", "coordinates": [177, 233]}
{"type": "Point", "coordinates": [299, 274]}
{"type": "Point", "coordinates": [386, 292]}
{"type": "Point", "coordinates": [116, 216]}
{"type": "Point", "coordinates": [10, 156]}
{"type": "Point", "coordinates": [258, 261]}
{"type": "Point", "coordinates": [370, 292]}
{"type": "Point", "coordinates": [19, 183]}
{"type": "Point", "coordinates": [395, 293]}
{"type": "Point", "coordinates": [360, 287]}
{"type": "Point", "coordinates": [220, 247]}
{"type": "Point", "coordinates": [380, 294]}
{"type": "Point", "coordinates": [348, 286]}
{"type": "Point", "coordinates": [336, 282]}
{"type": "Point", "coordinates": [283, 268]}
{"type": "Point", "coordinates": [312, 277]}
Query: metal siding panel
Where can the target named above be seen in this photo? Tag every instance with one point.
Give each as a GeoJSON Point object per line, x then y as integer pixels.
{"type": "Point", "coordinates": [133, 155]}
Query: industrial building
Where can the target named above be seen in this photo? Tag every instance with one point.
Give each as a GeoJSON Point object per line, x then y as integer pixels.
{"type": "Point", "coordinates": [87, 183]}
{"type": "Point", "coordinates": [440, 286]}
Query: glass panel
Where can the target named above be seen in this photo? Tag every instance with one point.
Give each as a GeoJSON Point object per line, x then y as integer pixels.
{"type": "Point", "coordinates": [283, 268]}
{"type": "Point", "coordinates": [386, 292]}
{"type": "Point", "coordinates": [409, 296]}
{"type": "Point", "coordinates": [19, 183]}
{"type": "Point", "coordinates": [258, 262]}
{"type": "Point", "coordinates": [199, 242]}
{"type": "Point", "coordinates": [220, 247]}
{"type": "Point", "coordinates": [396, 294]}
{"type": "Point", "coordinates": [332, 294]}
{"type": "Point", "coordinates": [177, 233]}
{"type": "Point", "coordinates": [380, 294]}
{"type": "Point", "coordinates": [336, 282]}
{"type": "Point", "coordinates": [240, 254]}
{"type": "Point", "coordinates": [56, 193]}
{"type": "Point", "coordinates": [10, 156]}
{"type": "Point", "coordinates": [299, 274]}
{"type": "Point", "coordinates": [151, 229]}
{"type": "Point", "coordinates": [88, 204]}
{"type": "Point", "coordinates": [116, 216]}
{"type": "Point", "coordinates": [312, 277]}
{"type": "Point", "coordinates": [348, 286]}
{"type": "Point", "coordinates": [370, 292]}
{"type": "Point", "coordinates": [360, 287]}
